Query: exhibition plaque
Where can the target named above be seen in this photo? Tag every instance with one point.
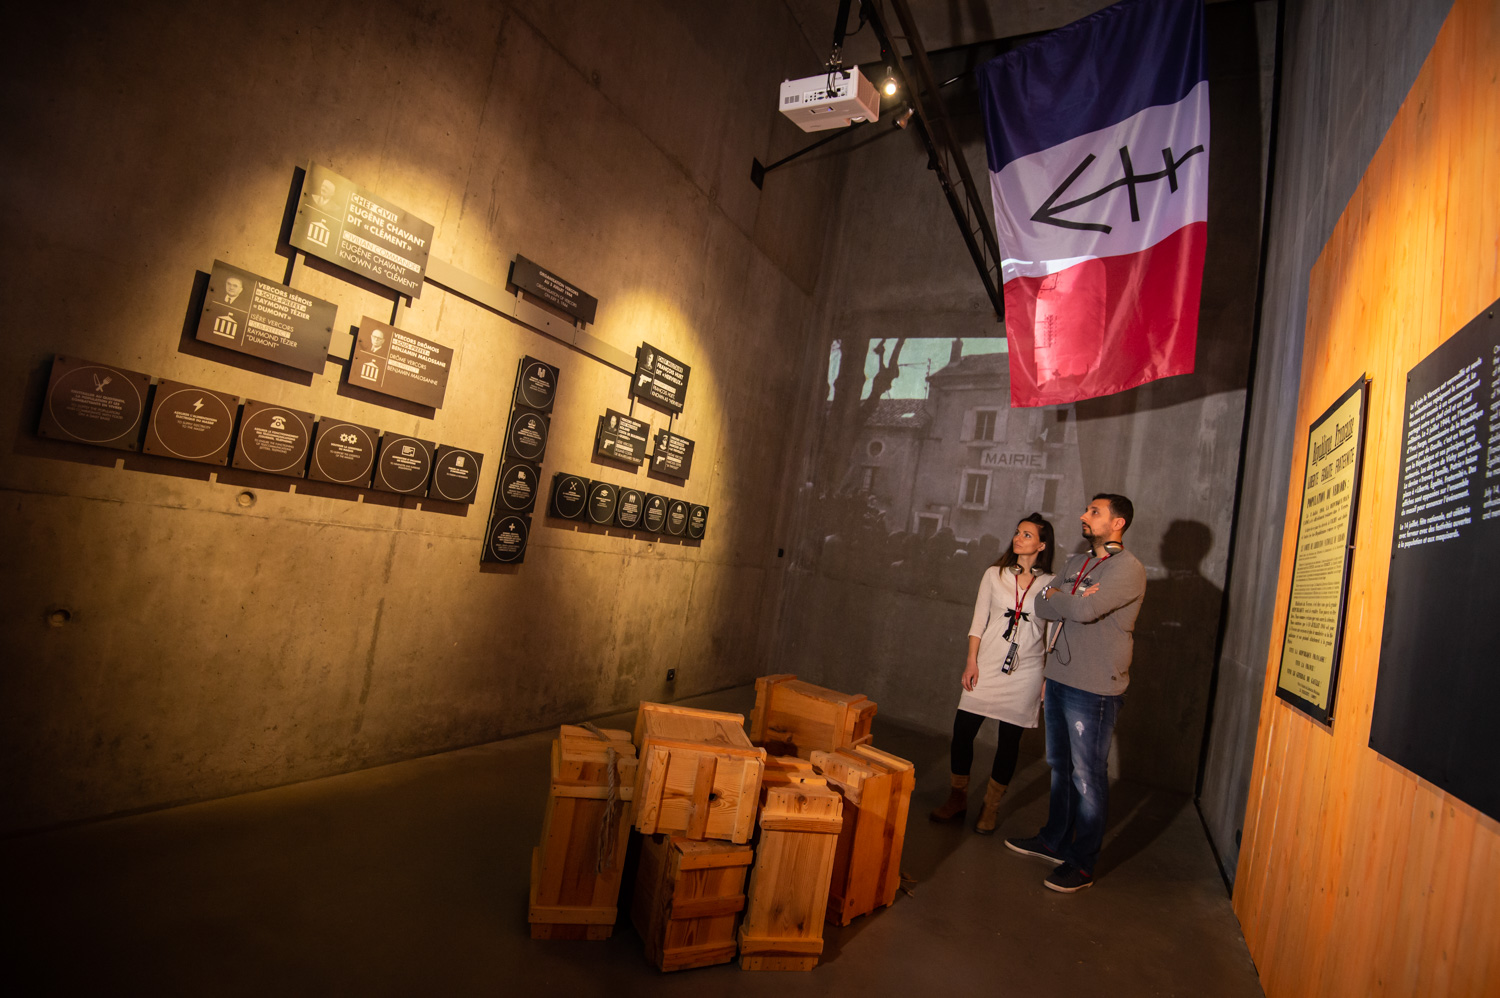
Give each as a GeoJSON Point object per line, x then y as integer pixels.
{"type": "Point", "coordinates": [516, 490]}
{"type": "Point", "coordinates": [677, 515]}
{"type": "Point", "coordinates": [602, 500]}
{"type": "Point", "coordinates": [455, 474]}
{"type": "Point", "coordinates": [394, 362]}
{"type": "Point", "coordinates": [621, 437]}
{"type": "Point", "coordinates": [526, 440]}
{"type": "Point", "coordinates": [660, 381]}
{"type": "Point", "coordinates": [628, 508]}
{"type": "Point", "coordinates": [273, 439]}
{"type": "Point", "coordinates": [94, 404]}
{"type": "Point", "coordinates": [570, 494]}
{"type": "Point", "coordinates": [404, 465]}
{"type": "Point", "coordinates": [266, 319]}
{"type": "Point", "coordinates": [190, 424]}
{"type": "Point", "coordinates": [697, 523]}
{"type": "Point", "coordinates": [344, 453]}
{"type": "Point", "coordinates": [1437, 682]}
{"type": "Point", "coordinates": [1320, 571]}
{"type": "Point", "coordinates": [673, 455]}
{"type": "Point", "coordinates": [536, 384]}
{"type": "Point", "coordinates": [541, 283]}
{"type": "Point", "coordinates": [505, 541]}
{"type": "Point", "coordinates": [342, 222]}
{"type": "Point", "coordinates": [654, 514]}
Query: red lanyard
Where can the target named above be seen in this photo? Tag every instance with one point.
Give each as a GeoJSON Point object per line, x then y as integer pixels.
{"type": "Point", "coordinates": [1083, 572]}
{"type": "Point", "coordinates": [1021, 596]}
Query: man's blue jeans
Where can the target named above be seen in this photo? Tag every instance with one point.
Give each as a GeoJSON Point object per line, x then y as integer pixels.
{"type": "Point", "coordinates": [1079, 728]}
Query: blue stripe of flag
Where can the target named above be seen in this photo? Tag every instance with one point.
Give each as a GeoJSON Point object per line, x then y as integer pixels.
{"type": "Point", "coordinates": [1091, 74]}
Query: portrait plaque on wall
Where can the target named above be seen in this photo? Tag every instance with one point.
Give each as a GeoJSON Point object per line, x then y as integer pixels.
{"type": "Point", "coordinates": [526, 438]}
{"type": "Point", "coordinates": [266, 319]}
{"type": "Point", "coordinates": [602, 500]}
{"type": "Point", "coordinates": [339, 221]}
{"type": "Point", "coordinates": [697, 523]}
{"type": "Point", "coordinates": [394, 362]}
{"type": "Point", "coordinates": [628, 508]}
{"type": "Point", "coordinates": [536, 384]}
{"type": "Point", "coordinates": [677, 517]}
{"type": "Point", "coordinates": [404, 465]}
{"type": "Point", "coordinates": [505, 540]}
{"type": "Point", "coordinates": [621, 437]}
{"type": "Point", "coordinates": [570, 494]}
{"type": "Point", "coordinates": [1308, 675]}
{"type": "Point", "coordinates": [190, 424]}
{"type": "Point", "coordinates": [344, 453]}
{"type": "Point", "coordinates": [515, 492]}
{"type": "Point", "coordinates": [673, 455]}
{"type": "Point", "coordinates": [654, 513]}
{"type": "Point", "coordinates": [455, 474]}
{"type": "Point", "coordinates": [560, 294]}
{"type": "Point", "coordinates": [273, 439]}
{"type": "Point", "coordinates": [660, 381]}
{"type": "Point", "coordinates": [93, 403]}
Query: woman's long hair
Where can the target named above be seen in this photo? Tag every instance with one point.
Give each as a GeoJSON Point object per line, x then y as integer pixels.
{"type": "Point", "coordinates": [1043, 564]}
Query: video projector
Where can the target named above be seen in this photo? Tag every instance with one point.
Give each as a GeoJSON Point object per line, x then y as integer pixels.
{"type": "Point", "coordinates": [814, 108]}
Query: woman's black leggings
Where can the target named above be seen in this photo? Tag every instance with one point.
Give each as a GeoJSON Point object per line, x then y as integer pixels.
{"type": "Point", "coordinates": [965, 727]}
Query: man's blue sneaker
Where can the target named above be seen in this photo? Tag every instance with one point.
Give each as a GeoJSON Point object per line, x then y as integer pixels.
{"type": "Point", "coordinates": [1033, 846]}
{"type": "Point", "coordinates": [1068, 879]}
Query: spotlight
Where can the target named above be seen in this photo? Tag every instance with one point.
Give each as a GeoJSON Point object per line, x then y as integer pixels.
{"type": "Point", "coordinates": [889, 87]}
{"type": "Point", "coordinates": [903, 118]}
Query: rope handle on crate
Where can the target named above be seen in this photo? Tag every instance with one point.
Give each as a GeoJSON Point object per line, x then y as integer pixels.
{"type": "Point", "coordinates": [604, 859]}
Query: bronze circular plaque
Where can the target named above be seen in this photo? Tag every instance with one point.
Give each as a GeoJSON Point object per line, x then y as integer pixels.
{"type": "Point", "coordinates": [455, 476]}
{"type": "Point", "coordinates": [507, 540]}
{"type": "Point", "coordinates": [344, 455]}
{"type": "Point", "coordinates": [404, 464]}
{"type": "Point", "coordinates": [95, 404]}
{"type": "Point", "coordinates": [273, 439]}
{"type": "Point", "coordinates": [191, 423]}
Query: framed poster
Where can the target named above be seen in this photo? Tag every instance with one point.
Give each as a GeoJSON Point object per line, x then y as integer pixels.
{"type": "Point", "coordinates": [1308, 675]}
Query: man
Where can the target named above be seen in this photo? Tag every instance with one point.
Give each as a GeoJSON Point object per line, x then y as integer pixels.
{"type": "Point", "coordinates": [233, 286]}
{"type": "Point", "coordinates": [1096, 600]}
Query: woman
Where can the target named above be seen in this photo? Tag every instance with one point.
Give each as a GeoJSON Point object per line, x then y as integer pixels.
{"type": "Point", "coordinates": [1003, 676]}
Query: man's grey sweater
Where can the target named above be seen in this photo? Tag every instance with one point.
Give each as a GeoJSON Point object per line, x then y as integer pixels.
{"type": "Point", "coordinates": [1093, 652]}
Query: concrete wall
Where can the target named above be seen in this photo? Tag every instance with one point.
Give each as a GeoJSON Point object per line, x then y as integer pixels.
{"type": "Point", "coordinates": [226, 632]}
{"type": "Point", "coordinates": [900, 268]}
{"type": "Point", "coordinates": [1346, 67]}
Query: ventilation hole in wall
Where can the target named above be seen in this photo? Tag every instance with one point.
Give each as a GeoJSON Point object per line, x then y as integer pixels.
{"type": "Point", "coordinates": [246, 499]}
{"type": "Point", "coordinates": [59, 617]}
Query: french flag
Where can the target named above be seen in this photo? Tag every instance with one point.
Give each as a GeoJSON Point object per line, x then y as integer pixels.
{"type": "Point", "coordinates": [1097, 136]}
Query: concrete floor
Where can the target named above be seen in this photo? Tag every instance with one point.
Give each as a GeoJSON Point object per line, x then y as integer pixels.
{"type": "Point", "coordinates": [412, 878]}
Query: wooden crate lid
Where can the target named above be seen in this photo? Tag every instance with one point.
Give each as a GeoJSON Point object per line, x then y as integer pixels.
{"type": "Point", "coordinates": [701, 854]}
{"type": "Point", "coordinates": [791, 684]}
{"type": "Point", "coordinates": [875, 756]}
{"type": "Point", "coordinates": [802, 807]}
{"type": "Point", "coordinates": [847, 771]}
{"type": "Point", "coordinates": [714, 729]}
{"type": "Point", "coordinates": [786, 769]}
{"type": "Point", "coordinates": [580, 757]}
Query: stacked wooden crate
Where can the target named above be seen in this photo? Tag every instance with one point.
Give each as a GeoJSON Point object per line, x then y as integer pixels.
{"type": "Point", "coordinates": [688, 899]}
{"type": "Point", "coordinates": [876, 787]}
{"type": "Point", "coordinates": [795, 718]}
{"type": "Point", "coordinates": [575, 872]}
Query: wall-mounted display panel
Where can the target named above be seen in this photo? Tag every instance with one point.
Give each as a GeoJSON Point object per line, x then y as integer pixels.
{"type": "Point", "coordinates": [536, 384]}
{"type": "Point", "coordinates": [339, 221]}
{"type": "Point", "coordinates": [404, 465]}
{"type": "Point", "coordinates": [526, 437]}
{"type": "Point", "coordinates": [91, 403]}
{"type": "Point", "coordinates": [190, 423]}
{"type": "Point", "coordinates": [677, 518]}
{"type": "Point", "coordinates": [660, 380]}
{"type": "Point", "coordinates": [515, 491]}
{"type": "Point", "coordinates": [673, 455]}
{"type": "Point", "coordinates": [455, 474]}
{"type": "Point", "coordinates": [603, 498]}
{"type": "Point", "coordinates": [621, 437]}
{"type": "Point", "coordinates": [537, 281]}
{"type": "Point", "coordinates": [344, 453]}
{"type": "Point", "coordinates": [697, 522]}
{"type": "Point", "coordinates": [266, 319]}
{"type": "Point", "coordinates": [505, 539]}
{"type": "Point", "coordinates": [273, 439]}
{"type": "Point", "coordinates": [401, 364]}
{"type": "Point", "coordinates": [629, 507]}
{"type": "Point", "coordinates": [570, 495]}
{"type": "Point", "coordinates": [654, 513]}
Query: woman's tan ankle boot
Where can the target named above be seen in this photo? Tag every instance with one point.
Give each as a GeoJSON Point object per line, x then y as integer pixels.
{"type": "Point", "coordinates": [957, 802]}
{"type": "Point", "coordinates": [987, 814]}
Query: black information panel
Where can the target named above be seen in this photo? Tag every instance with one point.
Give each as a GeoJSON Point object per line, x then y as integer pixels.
{"type": "Point", "coordinates": [1438, 681]}
{"type": "Point", "coordinates": [515, 492]}
{"type": "Point", "coordinates": [455, 474]}
{"type": "Point", "coordinates": [404, 465]}
{"type": "Point", "coordinates": [190, 424]}
{"type": "Point", "coordinates": [660, 381]}
{"type": "Point", "coordinates": [344, 453]}
{"type": "Point", "coordinates": [697, 524]}
{"type": "Point", "coordinates": [266, 319]}
{"type": "Point", "coordinates": [677, 518]}
{"type": "Point", "coordinates": [505, 539]}
{"type": "Point", "coordinates": [536, 385]}
{"type": "Point", "coordinates": [526, 438]}
{"type": "Point", "coordinates": [273, 439]}
{"type": "Point", "coordinates": [621, 437]}
{"type": "Point", "coordinates": [570, 495]}
{"type": "Point", "coordinates": [673, 455]}
{"type": "Point", "coordinates": [560, 294]}
{"type": "Point", "coordinates": [628, 508]}
{"type": "Point", "coordinates": [394, 362]}
{"type": "Point", "coordinates": [654, 514]}
{"type": "Point", "coordinates": [603, 498]}
{"type": "Point", "coordinates": [91, 403]}
{"type": "Point", "coordinates": [342, 222]}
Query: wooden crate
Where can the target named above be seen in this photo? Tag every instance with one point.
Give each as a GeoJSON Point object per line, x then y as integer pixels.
{"type": "Point", "coordinates": [795, 718]}
{"type": "Point", "coordinates": [688, 899]}
{"type": "Point", "coordinates": [571, 896]}
{"type": "Point", "coordinates": [876, 787]}
{"type": "Point", "coordinates": [788, 895]}
{"type": "Point", "coordinates": [699, 776]}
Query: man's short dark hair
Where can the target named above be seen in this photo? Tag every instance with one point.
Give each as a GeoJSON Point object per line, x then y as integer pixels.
{"type": "Point", "coordinates": [1118, 506]}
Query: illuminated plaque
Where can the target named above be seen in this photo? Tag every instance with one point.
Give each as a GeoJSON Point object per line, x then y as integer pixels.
{"type": "Point", "coordinates": [526, 438]}
{"type": "Point", "coordinates": [654, 513]}
{"type": "Point", "coordinates": [344, 453]}
{"type": "Point", "coordinates": [266, 319]}
{"type": "Point", "coordinates": [673, 455]}
{"type": "Point", "coordinates": [91, 403]}
{"type": "Point", "coordinates": [570, 495]}
{"type": "Point", "coordinates": [190, 424]}
{"type": "Point", "coordinates": [536, 384]}
{"type": "Point", "coordinates": [455, 474]}
{"type": "Point", "coordinates": [677, 517]}
{"type": "Point", "coordinates": [339, 221]}
{"type": "Point", "coordinates": [621, 437]}
{"type": "Point", "coordinates": [547, 286]}
{"type": "Point", "coordinates": [516, 490]}
{"type": "Point", "coordinates": [602, 499]}
{"type": "Point", "coordinates": [273, 439]}
{"type": "Point", "coordinates": [660, 380]}
{"type": "Point", "coordinates": [628, 508]}
{"type": "Point", "coordinates": [394, 362]}
{"type": "Point", "coordinates": [697, 522]}
{"type": "Point", "coordinates": [404, 465]}
{"type": "Point", "coordinates": [505, 539]}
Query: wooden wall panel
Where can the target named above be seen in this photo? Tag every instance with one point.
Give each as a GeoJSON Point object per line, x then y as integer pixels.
{"type": "Point", "coordinates": [1356, 877]}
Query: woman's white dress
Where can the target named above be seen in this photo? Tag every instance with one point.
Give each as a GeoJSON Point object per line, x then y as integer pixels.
{"type": "Point", "coordinates": [1013, 697]}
